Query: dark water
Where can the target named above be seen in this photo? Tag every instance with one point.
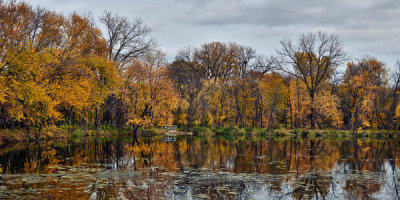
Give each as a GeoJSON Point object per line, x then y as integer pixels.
{"type": "Point", "coordinates": [190, 168]}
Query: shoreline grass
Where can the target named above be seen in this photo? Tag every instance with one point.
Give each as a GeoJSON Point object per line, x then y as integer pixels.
{"type": "Point", "coordinates": [75, 133]}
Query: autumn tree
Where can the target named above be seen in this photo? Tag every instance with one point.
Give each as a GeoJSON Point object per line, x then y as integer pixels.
{"type": "Point", "coordinates": [57, 69]}
{"type": "Point", "coordinates": [361, 80]}
{"type": "Point", "coordinates": [328, 109]}
{"type": "Point", "coordinates": [26, 99]}
{"type": "Point", "coordinates": [126, 40]}
{"type": "Point", "coordinates": [313, 59]}
{"type": "Point", "coordinates": [274, 97]}
{"type": "Point", "coordinates": [204, 76]}
{"type": "Point", "coordinates": [299, 102]}
{"type": "Point", "coordinates": [395, 86]}
{"type": "Point", "coordinates": [189, 82]}
{"type": "Point", "coordinates": [245, 86]}
{"type": "Point", "coordinates": [52, 67]}
{"type": "Point", "coordinates": [150, 94]}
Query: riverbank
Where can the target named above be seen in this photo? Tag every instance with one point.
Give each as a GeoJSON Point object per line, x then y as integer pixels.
{"type": "Point", "coordinates": [234, 133]}
{"type": "Point", "coordinates": [56, 133]}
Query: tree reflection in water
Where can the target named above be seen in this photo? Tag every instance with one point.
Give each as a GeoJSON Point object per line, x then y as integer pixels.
{"type": "Point", "coordinates": [151, 167]}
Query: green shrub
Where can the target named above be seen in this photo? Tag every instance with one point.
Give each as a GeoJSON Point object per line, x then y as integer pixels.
{"type": "Point", "coordinates": [202, 131]}
{"type": "Point", "coordinates": [76, 135]}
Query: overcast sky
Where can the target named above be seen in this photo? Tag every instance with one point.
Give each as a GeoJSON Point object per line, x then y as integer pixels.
{"type": "Point", "coordinates": [367, 27]}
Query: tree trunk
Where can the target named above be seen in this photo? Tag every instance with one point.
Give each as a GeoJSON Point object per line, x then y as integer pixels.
{"type": "Point", "coordinates": [39, 133]}
{"type": "Point", "coordinates": [97, 120]}
{"type": "Point", "coordinates": [190, 114]}
{"type": "Point", "coordinates": [313, 111]}
{"type": "Point", "coordinates": [356, 120]}
{"type": "Point", "coordinates": [270, 120]}
{"type": "Point", "coordinates": [29, 134]}
{"type": "Point", "coordinates": [71, 113]}
{"type": "Point", "coordinates": [135, 130]}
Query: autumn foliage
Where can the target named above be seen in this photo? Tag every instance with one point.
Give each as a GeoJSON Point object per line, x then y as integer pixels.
{"type": "Point", "coordinates": [66, 70]}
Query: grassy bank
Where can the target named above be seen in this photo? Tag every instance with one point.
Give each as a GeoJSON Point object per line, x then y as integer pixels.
{"type": "Point", "coordinates": [232, 132]}
{"type": "Point", "coordinates": [51, 133]}
{"type": "Point", "coordinates": [65, 132]}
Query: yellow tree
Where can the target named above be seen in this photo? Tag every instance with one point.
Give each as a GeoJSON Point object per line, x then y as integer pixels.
{"type": "Point", "coordinates": [50, 65]}
{"type": "Point", "coordinates": [299, 103]}
{"type": "Point", "coordinates": [274, 97]}
{"type": "Point", "coordinates": [80, 74]}
{"type": "Point", "coordinates": [103, 80]}
{"type": "Point", "coordinates": [150, 94]}
{"type": "Point", "coordinates": [327, 105]}
{"type": "Point", "coordinates": [312, 60]}
{"type": "Point", "coordinates": [218, 63]}
{"type": "Point", "coordinates": [27, 97]}
{"type": "Point", "coordinates": [361, 79]}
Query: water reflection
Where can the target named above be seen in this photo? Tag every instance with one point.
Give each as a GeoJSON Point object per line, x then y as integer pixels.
{"type": "Point", "coordinates": [154, 168]}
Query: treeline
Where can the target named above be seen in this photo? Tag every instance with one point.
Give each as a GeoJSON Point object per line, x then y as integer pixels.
{"type": "Point", "coordinates": [65, 70]}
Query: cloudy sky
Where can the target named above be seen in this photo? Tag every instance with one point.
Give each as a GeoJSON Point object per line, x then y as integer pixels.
{"type": "Point", "coordinates": [367, 27]}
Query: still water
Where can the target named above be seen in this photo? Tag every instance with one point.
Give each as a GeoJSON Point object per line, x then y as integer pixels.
{"type": "Point", "coordinates": [198, 168]}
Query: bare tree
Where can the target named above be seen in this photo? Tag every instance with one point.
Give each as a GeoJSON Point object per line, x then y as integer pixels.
{"type": "Point", "coordinates": [265, 64]}
{"type": "Point", "coordinates": [313, 59]}
{"type": "Point", "coordinates": [125, 39]}
{"type": "Point", "coordinates": [245, 57]}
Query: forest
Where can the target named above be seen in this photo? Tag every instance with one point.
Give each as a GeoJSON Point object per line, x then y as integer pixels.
{"type": "Point", "coordinates": [109, 71]}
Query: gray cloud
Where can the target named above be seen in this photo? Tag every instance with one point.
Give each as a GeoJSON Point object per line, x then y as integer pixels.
{"type": "Point", "coordinates": [367, 27]}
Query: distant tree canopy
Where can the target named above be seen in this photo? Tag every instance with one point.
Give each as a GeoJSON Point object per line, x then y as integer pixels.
{"type": "Point", "coordinates": [64, 70]}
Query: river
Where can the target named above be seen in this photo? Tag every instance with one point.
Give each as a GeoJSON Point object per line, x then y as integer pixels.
{"type": "Point", "coordinates": [201, 168]}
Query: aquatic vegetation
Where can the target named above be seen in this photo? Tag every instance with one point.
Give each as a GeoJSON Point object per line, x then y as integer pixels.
{"type": "Point", "coordinates": [205, 167]}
